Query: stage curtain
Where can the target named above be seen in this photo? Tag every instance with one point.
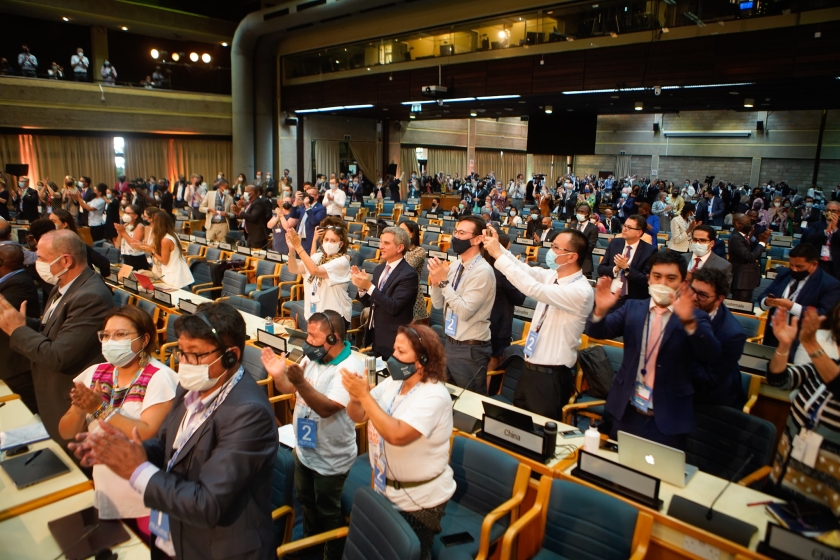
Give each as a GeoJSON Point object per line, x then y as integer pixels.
{"type": "Point", "coordinates": [622, 165]}
{"type": "Point", "coordinates": [449, 161]}
{"type": "Point", "coordinates": [58, 156]}
{"type": "Point", "coordinates": [202, 157]}
{"type": "Point", "coordinates": [9, 150]}
{"type": "Point", "coordinates": [326, 157]}
{"type": "Point", "coordinates": [147, 156]}
{"type": "Point", "coordinates": [365, 155]}
{"type": "Point", "coordinates": [505, 168]}
{"type": "Point", "coordinates": [553, 166]}
{"type": "Point", "coordinates": [408, 161]}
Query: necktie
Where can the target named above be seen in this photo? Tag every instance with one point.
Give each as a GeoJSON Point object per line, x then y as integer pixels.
{"type": "Point", "coordinates": [385, 274]}
{"type": "Point", "coordinates": [624, 272]}
{"type": "Point", "coordinates": [302, 226]}
{"type": "Point", "coordinates": [653, 342]}
{"type": "Point", "coordinates": [794, 285]}
{"type": "Point", "coordinates": [51, 307]}
{"type": "Point", "coordinates": [696, 264]}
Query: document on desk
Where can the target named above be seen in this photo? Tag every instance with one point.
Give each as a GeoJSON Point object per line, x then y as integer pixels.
{"type": "Point", "coordinates": [287, 435]}
{"type": "Point", "coordinates": [23, 435]}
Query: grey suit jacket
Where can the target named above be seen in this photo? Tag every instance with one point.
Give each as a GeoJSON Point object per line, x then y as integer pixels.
{"type": "Point", "coordinates": [66, 345]}
{"type": "Point", "coordinates": [218, 493]}
{"type": "Point", "coordinates": [714, 262]}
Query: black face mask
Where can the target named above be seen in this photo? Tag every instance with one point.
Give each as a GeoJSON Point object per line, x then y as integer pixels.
{"type": "Point", "coordinates": [799, 274]}
{"type": "Point", "coordinates": [314, 353]}
{"type": "Point", "coordinates": [400, 370]}
{"type": "Point", "coordinates": [460, 246]}
{"type": "Point", "coordinates": [287, 206]}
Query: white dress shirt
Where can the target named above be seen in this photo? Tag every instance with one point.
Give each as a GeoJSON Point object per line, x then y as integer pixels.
{"type": "Point", "coordinates": [335, 205]}
{"type": "Point", "coordinates": [472, 302]}
{"type": "Point", "coordinates": [694, 265]}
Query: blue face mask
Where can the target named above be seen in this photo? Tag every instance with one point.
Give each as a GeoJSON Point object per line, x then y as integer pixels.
{"type": "Point", "coordinates": [550, 256]}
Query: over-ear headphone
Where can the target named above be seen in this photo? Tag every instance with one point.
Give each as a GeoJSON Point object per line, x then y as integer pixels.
{"type": "Point", "coordinates": [332, 339]}
{"type": "Point", "coordinates": [423, 358]}
{"type": "Point", "coordinates": [229, 358]}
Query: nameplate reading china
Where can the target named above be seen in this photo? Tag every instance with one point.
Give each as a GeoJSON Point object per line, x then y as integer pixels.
{"type": "Point", "coordinates": [524, 241]}
{"type": "Point", "coordinates": [187, 306]}
{"type": "Point", "coordinates": [163, 297]}
{"type": "Point", "coordinates": [742, 306]}
{"type": "Point", "coordinates": [513, 435]}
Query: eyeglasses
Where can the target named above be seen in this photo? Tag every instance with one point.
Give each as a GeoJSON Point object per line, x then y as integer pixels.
{"type": "Point", "coordinates": [105, 336]}
{"type": "Point", "coordinates": [334, 228]}
{"type": "Point", "coordinates": [192, 357]}
{"type": "Point", "coordinates": [461, 233]}
{"type": "Point", "coordinates": [632, 228]}
{"type": "Point", "coordinates": [556, 249]}
{"type": "Point", "coordinates": [701, 296]}
{"type": "Point", "coordinates": [701, 241]}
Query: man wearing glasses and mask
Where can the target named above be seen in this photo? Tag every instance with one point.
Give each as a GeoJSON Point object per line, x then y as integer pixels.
{"type": "Point", "coordinates": [702, 256]}
{"type": "Point", "coordinates": [626, 261]}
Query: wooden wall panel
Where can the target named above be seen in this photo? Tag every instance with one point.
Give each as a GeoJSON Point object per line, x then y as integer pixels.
{"type": "Point", "coordinates": [562, 71]}
{"type": "Point", "coordinates": [616, 65]}
{"type": "Point", "coordinates": [680, 63]}
{"type": "Point", "coordinates": [394, 90]}
{"type": "Point", "coordinates": [814, 55]}
{"type": "Point", "coordinates": [510, 76]}
{"type": "Point", "coordinates": [466, 80]}
{"type": "Point", "coordinates": [745, 58]}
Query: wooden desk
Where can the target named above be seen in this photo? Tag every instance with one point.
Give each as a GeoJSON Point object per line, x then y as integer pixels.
{"type": "Point", "coordinates": [27, 536]}
{"type": "Point", "coordinates": [15, 502]}
{"type": "Point", "coordinates": [5, 391]}
{"type": "Point", "coordinates": [678, 539]}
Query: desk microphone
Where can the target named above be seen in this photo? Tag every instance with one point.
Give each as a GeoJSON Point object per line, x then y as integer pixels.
{"type": "Point", "coordinates": [736, 475]}
{"type": "Point", "coordinates": [464, 388]}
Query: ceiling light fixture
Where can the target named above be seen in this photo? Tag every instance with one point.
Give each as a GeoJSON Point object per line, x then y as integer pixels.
{"type": "Point", "coordinates": [224, 44]}
{"type": "Point", "coordinates": [411, 117]}
{"type": "Point", "coordinates": [124, 28]}
{"type": "Point", "coordinates": [155, 54]}
{"type": "Point", "coordinates": [336, 108]}
{"type": "Point", "coordinates": [194, 56]}
{"type": "Point", "coordinates": [749, 103]}
{"type": "Point", "coordinates": [473, 114]}
{"type": "Point", "coordinates": [65, 18]}
{"type": "Point", "coordinates": [548, 109]}
{"type": "Point", "coordinates": [205, 58]}
{"type": "Point", "coordinates": [176, 57]}
{"type": "Point", "coordinates": [493, 97]}
{"type": "Point", "coordinates": [639, 105]}
{"type": "Point", "coordinates": [459, 99]}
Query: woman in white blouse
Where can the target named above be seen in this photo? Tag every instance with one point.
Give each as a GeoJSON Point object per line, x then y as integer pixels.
{"type": "Point", "coordinates": [410, 423]}
{"type": "Point", "coordinates": [681, 228]}
{"type": "Point", "coordinates": [512, 219]}
{"type": "Point", "coordinates": [326, 274]}
{"type": "Point", "coordinates": [164, 250]}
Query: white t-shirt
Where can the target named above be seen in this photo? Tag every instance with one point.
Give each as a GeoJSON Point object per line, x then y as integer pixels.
{"type": "Point", "coordinates": [335, 205]}
{"type": "Point", "coordinates": [335, 447]}
{"type": "Point", "coordinates": [428, 409]}
{"type": "Point", "coordinates": [115, 498]}
{"type": "Point", "coordinates": [330, 292]}
{"type": "Point", "coordinates": [97, 216]}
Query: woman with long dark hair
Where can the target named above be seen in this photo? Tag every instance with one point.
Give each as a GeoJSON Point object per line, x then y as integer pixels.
{"type": "Point", "coordinates": [416, 257]}
{"type": "Point", "coordinates": [131, 233]}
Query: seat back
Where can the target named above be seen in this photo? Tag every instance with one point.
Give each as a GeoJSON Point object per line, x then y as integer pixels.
{"type": "Point", "coordinates": [588, 524]}
{"type": "Point", "coordinates": [484, 475]}
{"type": "Point", "coordinates": [213, 254]}
{"type": "Point", "coordinates": [514, 361]}
{"type": "Point", "coordinates": [233, 283]}
{"type": "Point", "coordinates": [517, 328]}
{"type": "Point", "coordinates": [267, 300]}
{"type": "Point", "coordinates": [193, 250]}
{"type": "Point", "coordinates": [725, 437]}
{"type": "Point", "coordinates": [246, 305]}
{"type": "Point", "coordinates": [378, 531]}
{"type": "Point", "coordinates": [751, 324]}
{"type": "Point", "coordinates": [267, 268]}
{"type": "Point", "coordinates": [121, 297]}
{"type": "Point", "coordinates": [355, 257]}
{"type": "Point", "coordinates": [530, 303]}
{"type": "Point", "coordinates": [152, 309]}
{"type": "Point", "coordinates": [369, 266]}
{"type": "Point", "coordinates": [171, 317]}
{"type": "Point", "coordinates": [369, 252]}
{"type": "Point", "coordinates": [252, 363]}
{"type": "Point", "coordinates": [287, 275]}
{"type": "Point", "coordinates": [201, 273]}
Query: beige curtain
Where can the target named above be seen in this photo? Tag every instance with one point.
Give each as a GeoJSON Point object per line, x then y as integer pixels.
{"type": "Point", "coordinates": [447, 160]}
{"type": "Point", "coordinates": [365, 155]}
{"type": "Point", "coordinates": [57, 156]}
{"type": "Point", "coordinates": [507, 167]}
{"type": "Point", "coordinates": [408, 161]}
{"type": "Point", "coordinates": [9, 150]}
{"type": "Point", "coordinates": [622, 165]}
{"type": "Point", "coordinates": [554, 167]}
{"type": "Point", "coordinates": [146, 156]}
{"type": "Point", "coordinates": [326, 157]}
{"type": "Point", "coordinates": [203, 157]}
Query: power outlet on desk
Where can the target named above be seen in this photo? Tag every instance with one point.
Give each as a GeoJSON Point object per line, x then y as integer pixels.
{"type": "Point", "coordinates": [700, 548]}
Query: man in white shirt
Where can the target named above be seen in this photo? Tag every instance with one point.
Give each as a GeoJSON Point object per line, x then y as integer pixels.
{"type": "Point", "coordinates": [326, 437]}
{"type": "Point", "coordinates": [334, 199]}
{"type": "Point", "coordinates": [564, 301]}
{"type": "Point", "coordinates": [80, 64]}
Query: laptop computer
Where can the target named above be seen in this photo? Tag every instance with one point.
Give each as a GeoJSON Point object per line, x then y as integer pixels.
{"type": "Point", "coordinates": [296, 339]}
{"type": "Point", "coordinates": [755, 357]}
{"type": "Point", "coordinates": [34, 467]}
{"type": "Point", "coordinates": [655, 459]}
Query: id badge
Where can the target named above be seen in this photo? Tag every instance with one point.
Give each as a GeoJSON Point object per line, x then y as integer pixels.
{"type": "Point", "coordinates": [313, 308]}
{"type": "Point", "coordinates": [531, 343]}
{"type": "Point", "coordinates": [806, 447]}
{"type": "Point", "coordinates": [159, 524]}
{"type": "Point", "coordinates": [380, 473]}
{"type": "Point", "coordinates": [307, 433]}
{"type": "Point", "coordinates": [279, 231]}
{"type": "Point", "coordinates": [451, 323]}
{"type": "Point", "coordinates": [804, 224]}
{"type": "Point", "coordinates": [825, 251]}
{"type": "Point", "coordinates": [641, 396]}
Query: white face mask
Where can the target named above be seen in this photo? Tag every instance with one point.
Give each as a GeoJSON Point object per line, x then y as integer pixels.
{"type": "Point", "coordinates": [126, 218]}
{"type": "Point", "coordinates": [22, 184]}
{"type": "Point", "coordinates": [534, 216]}
{"type": "Point", "coordinates": [118, 353]}
{"type": "Point", "coordinates": [777, 204]}
{"type": "Point", "coordinates": [247, 196]}
{"type": "Point", "coordinates": [331, 248]}
{"type": "Point", "coordinates": [662, 295]}
{"type": "Point", "coordinates": [699, 249]}
{"type": "Point", "coordinates": [43, 269]}
{"type": "Point", "coordinates": [580, 217]}
{"type": "Point", "coordinates": [196, 377]}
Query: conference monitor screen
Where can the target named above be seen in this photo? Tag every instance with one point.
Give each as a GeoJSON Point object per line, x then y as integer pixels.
{"type": "Point", "coordinates": [562, 133]}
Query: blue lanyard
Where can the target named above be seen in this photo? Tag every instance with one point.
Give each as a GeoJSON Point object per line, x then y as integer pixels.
{"type": "Point", "coordinates": [458, 279]}
{"type": "Point", "coordinates": [123, 392]}
{"type": "Point", "coordinates": [210, 410]}
{"type": "Point", "coordinates": [389, 412]}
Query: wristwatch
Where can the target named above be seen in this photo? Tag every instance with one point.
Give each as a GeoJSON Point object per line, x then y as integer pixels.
{"type": "Point", "coordinates": [816, 354]}
{"type": "Point", "coordinates": [443, 283]}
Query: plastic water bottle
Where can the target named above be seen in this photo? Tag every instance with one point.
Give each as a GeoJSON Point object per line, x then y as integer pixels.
{"type": "Point", "coordinates": [269, 325]}
{"type": "Point", "coordinates": [591, 440]}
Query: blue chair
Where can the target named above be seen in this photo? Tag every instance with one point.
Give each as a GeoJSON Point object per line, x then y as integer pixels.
{"type": "Point", "coordinates": [491, 485]}
{"type": "Point", "coordinates": [369, 253]}
{"type": "Point", "coordinates": [233, 284]}
{"type": "Point", "coordinates": [252, 362]}
{"type": "Point", "coordinates": [121, 297]}
{"type": "Point", "coordinates": [360, 476]}
{"type": "Point", "coordinates": [377, 531]}
{"type": "Point", "coordinates": [213, 254]}
{"type": "Point", "coordinates": [268, 300]}
{"type": "Point", "coordinates": [295, 310]}
{"type": "Point", "coordinates": [201, 276]}
{"type": "Point", "coordinates": [511, 365]}
{"type": "Point", "coordinates": [288, 280]}
{"type": "Point", "coordinates": [355, 257]}
{"type": "Point", "coordinates": [282, 494]}
{"type": "Point", "coordinates": [171, 339]}
{"type": "Point", "coordinates": [267, 275]}
{"type": "Point", "coordinates": [369, 266]}
{"type": "Point", "coordinates": [576, 521]}
{"type": "Point", "coordinates": [246, 305]}
{"type": "Point", "coordinates": [583, 403]}
{"type": "Point", "coordinates": [530, 303]}
{"type": "Point", "coordinates": [151, 308]}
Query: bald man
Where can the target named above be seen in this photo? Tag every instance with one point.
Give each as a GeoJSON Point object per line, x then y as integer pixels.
{"type": "Point", "coordinates": [17, 287]}
{"type": "Point", "coordinates": [64, 342]}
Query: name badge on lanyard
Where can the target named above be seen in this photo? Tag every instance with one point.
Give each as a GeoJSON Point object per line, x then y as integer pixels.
{"type": "Point", "coordinates": [641, 396]}
{"type": "Point", "coordinates": [307, 433]}
{"type": "Point", "coordinates": [451, 323]}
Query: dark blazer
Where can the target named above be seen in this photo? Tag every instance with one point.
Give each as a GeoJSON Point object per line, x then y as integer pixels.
{"type": "Point", "coordinates": [256, 218]}
{"type": "Point", "coordinates": [716, 208]}
{"type": "Point", "coordinates": [746, 273]}
{"type": "Point", "coordinates": [314, 215]}
{"type": "Point", "coordinates": [98, 260]}
{"type": "Point", "coordinates": [30, 201]}
{"type": "Point", "coordinates": [66, 345]}
{"type": "Point", "coordinates": [613, 225]}
{"type": "Point", "coordinates": [679, 355]}
{"type": "Point", "coordinates": [552, 233]}
{"type": "Point", "coordinates": [701, 211]}
{"type": "Point", "coordinates": [816, 236]}
{"type": "Point", "coordinates": [218, 493]}
{"type": "Point", "coordinates": [17, 289]}
{"type": "Point", "coordinates": [720, 381]}
{"type": "Point", "coordinates": [714, 262]}
{"type": "Point", "coordinates": [591, 234]}
{"type": "Point", "coordinates": [803, 214]}
{"type": "Point", "coordinates": [392, 306]}
{"type": "Point", "coordinates": [637, 282]}
{"type": "Point", "coordinates": [821, 291]}
{"type": "Point", "coordinates": [501, 316]}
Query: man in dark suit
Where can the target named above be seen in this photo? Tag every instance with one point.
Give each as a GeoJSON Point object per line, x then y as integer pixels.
{"type": "Point", "coordinates": [720, 381]}
{"type": "Point", "coordinates": [26, 201]}
{"type": "Point", "coordinates": [392, 292]}
{"type": "Point", "coordinates": [825, 236]}
{"type": "Point", "coordinates": [802, 285]}
{"type": "Point", "coordinates": [546, 231]}
{"type": "Point", "coordinates": [256, 214]}
{"type": "Point", "coordinates": [716, 209]}
{"type": "Point", "coordinates": [64, 342]}
{"type": "Point", "coordinates": [590, 231]}
{"type": "Point", "coordinates": [665, 339]}
{"type": "Point", "coordinates": [702, 253]}
{"type": "Point", "coordinates": [611, 223]}
{"type": "Point", "coordinates": [746, 273]}
{"type": "Point", "coordinates": [701, 211]}
{"type": "Point", "coordinates": [626, 261]}
{"type": "Point", "coordinates": [17, 287]}
{"type": "Point", "coordinates": [309, 213]}
{"type": "Point", "coordinates": [805, 216]}
{"type": "Point", "coordinates": [534, 223]}
{"type": "Point", "coordinates": [216, 496]}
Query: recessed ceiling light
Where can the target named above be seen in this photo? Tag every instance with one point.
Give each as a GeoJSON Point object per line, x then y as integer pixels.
{"type": "Point", "coordinates": [570, 110]}
{"type": "Point", "coordinates": [657, 107]}
{"type": "Point", "coordinates": [613, 97]}
{"type": "Point", "coordinates": [65, 18]}
{"type": "Point", "coordinates": [224, 44]}
{"type": "Point", "coordinates": [124, 28]}
{"type": "Point", "coordinates": [733, 93]}
{"type": "Point", "coordinates": [548, 109]}
{"type": "Point", "coordinates": [749, 103]}
{"type": "Point", "coordinates": [639, 105]}
{"type": "Point", "coordinates": [473, 114]}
